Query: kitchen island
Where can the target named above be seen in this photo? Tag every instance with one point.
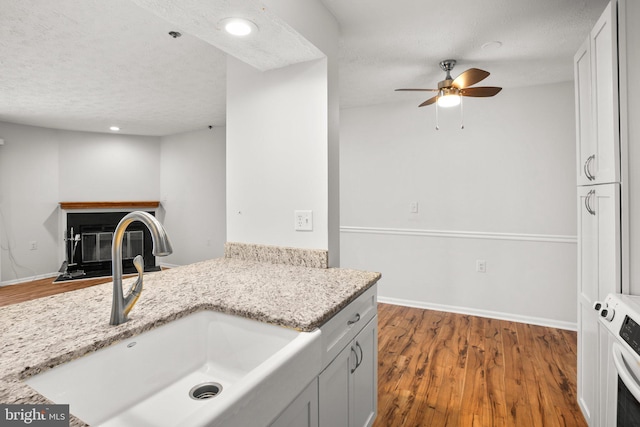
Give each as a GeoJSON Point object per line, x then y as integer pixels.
{"type": "Point", "coordinates": [41, 334]}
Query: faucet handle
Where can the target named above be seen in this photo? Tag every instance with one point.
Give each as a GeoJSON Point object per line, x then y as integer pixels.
{"type": "Point", "coordinates": [138, 263]}
{"type": "Point", "coordinates": [135, 291]}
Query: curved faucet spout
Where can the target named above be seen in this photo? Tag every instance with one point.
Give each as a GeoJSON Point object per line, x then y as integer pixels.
{"type": "Point", "coordinates": [161, 247]}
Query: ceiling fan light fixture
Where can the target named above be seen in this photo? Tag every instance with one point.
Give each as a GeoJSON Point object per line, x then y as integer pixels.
{"type": "Point", "coordinates": [239, 27]}
{"type": "Point", "coordinates": [448, 98]}
{"type": "Point", "coordinates": [450, 91]}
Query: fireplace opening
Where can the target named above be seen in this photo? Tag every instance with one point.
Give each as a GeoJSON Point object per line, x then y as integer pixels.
{"type": "Point", "coordinates": [88, 240]}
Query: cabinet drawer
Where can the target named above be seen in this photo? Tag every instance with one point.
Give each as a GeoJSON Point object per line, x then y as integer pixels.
{"type": "Point", "coordinates": [345, 325]}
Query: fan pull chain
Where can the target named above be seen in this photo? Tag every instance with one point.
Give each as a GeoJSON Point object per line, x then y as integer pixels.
{"type": "Point", "coordinates": [437, 127]}
{"type": "Point", "coordinates": [461, 113]}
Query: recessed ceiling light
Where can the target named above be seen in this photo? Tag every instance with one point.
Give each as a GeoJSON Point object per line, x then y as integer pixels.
{"type": "Point", "coordinates": [114, 128]}
{"type": "Point", "coordinates": [238, 26]}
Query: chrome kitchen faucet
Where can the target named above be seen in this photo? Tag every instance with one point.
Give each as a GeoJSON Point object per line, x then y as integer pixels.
{"type": "Point", "coordinates": [161, 247]}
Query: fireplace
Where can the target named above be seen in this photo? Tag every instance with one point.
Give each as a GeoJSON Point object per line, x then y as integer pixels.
{"type": "Point", "coordinates": [88, 235]}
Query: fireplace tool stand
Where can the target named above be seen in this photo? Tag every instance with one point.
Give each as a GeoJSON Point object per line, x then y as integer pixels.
{"type": "Point", "coordinates": [71, 244]}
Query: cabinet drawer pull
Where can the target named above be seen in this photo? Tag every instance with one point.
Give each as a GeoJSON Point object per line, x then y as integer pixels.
{"type": "Point", "coordinates": [587, 202]}
{"type": "Point", "coordinates": [361, 354]}
{"type": "Point", "coordinates": [353, 350]}
{"type": "Point", "coordinates": [593, 157]}
{"type": "Point", "coordinates": [587, 167]}
{"type": "Point", "coordinates": [354, 319]}
{"type": "Point", "coordinates": [584, 168]}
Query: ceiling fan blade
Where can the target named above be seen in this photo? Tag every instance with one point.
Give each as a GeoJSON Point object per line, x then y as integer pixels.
{"type": "Point", "coordinates": [427, 90]}
{"type": "Point", "coordinates": [470, 77]}
{"type": "Point", "coordinates": [429, 101]}
{"type": "Point", "coordinates": [480, 92]}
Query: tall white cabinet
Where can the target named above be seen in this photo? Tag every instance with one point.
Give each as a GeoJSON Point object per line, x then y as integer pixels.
{"type": "Point", "coordinates": [599, 201]}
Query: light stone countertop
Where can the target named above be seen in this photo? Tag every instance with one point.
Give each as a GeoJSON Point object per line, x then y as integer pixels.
{"type": "Point", "coordinates": [40, 334]}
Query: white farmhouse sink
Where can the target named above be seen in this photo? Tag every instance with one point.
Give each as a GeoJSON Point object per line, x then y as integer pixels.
{"type": "Point", "coordinates": [146, 380]}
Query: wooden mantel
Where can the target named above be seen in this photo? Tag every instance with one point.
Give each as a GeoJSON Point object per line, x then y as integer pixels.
{"type": "Point", "coordinates": [110, 205]}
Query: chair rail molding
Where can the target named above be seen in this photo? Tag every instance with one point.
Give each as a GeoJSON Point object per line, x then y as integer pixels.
{"type": "Point", "coordinates": [549, 238]}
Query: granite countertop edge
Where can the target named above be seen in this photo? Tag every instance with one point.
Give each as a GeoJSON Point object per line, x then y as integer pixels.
{"type": "Point", "coordinates": [41, 334]}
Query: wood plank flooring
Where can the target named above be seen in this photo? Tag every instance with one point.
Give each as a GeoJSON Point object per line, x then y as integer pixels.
{"type": "Point", "coordinates": [440, 369]}
{"type": "Point", "coordinates": [14, 294]}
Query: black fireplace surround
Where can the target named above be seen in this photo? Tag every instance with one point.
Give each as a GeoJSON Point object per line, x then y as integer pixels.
{"type": "Point", "coordinates": [92, 233]}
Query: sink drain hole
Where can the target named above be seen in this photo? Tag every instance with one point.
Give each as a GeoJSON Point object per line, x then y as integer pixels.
{"type": "Point", "coordinates": [205, 391]}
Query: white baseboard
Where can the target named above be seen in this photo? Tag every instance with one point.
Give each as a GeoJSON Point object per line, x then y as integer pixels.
{"type": "Point", "coordinates": [482, 313]}
{"type": "Point", "coordinates": [29, 279]}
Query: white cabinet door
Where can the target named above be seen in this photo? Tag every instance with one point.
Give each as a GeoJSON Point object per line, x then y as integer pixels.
{"type": "Point", "coordinates": [598, 242]}
{"type": "Point", "coordinates": [303, 411]}
{"type": "Point", "coordinates": [364, 378]}
{"type": "Point", "coordinates": [587, 246]}
{"type": "Point", "coordinates": [585, 146]}
{"type": "Point", "coordinates": [597, 113]}
{"type": "Point", "coordinates": [348, 387]}
{"type": "Point", "coordinates": [599, 266]}
{"type": "Point", "coordinates": [334, 390]}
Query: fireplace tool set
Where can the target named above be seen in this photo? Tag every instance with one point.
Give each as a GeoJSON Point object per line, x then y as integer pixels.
{"type": "Point", "coordinates": [71, 244]}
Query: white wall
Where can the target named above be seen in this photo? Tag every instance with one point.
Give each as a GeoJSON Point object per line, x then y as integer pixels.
{"type": "Point", "coordinates": [192, 186]}
{"type": "Point", "coordinates": [501, 190]}
{"type": "Point", "coordinates": [28, 201]}
{"type": "Point", "coordinates": [100, 166]}
{"type": "Point", "coordinates": [282, 133]}
{"type": "Point", "coordinates": [313, 21]}
{"type": "Point", "coordinates": [40, 167]}
{"type": "Point", "coordinates": [276, 153]}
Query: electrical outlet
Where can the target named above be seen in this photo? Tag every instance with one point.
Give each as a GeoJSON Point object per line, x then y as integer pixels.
{"type": "Point", "coordinates": [33, 245]}
{"type": "Point", "coordinates": [481, 266]}
{"type": "Point", "coordinates": [413, 207]}
{"type": "Point", "coordinates": [303, 220]}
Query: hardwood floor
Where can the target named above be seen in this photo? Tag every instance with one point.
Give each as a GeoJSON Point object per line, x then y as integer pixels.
{"type": "Point", "coordinates": [14, 294]}
{"type": "Point", "coordinates": [440, 369]}
{"type": "Point", "coordinates": [444, 369]}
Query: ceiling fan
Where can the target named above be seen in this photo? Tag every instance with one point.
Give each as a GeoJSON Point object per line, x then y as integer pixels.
{"type": "Point", "coordinates": [450, 90]}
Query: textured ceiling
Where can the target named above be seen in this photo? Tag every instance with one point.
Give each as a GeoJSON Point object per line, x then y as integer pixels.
{"type": "Point", "coordinates": [393, 44]}
{"type": "Point", "coordinates": [275, 45]}
{"type": "Point", "coordinates": [89, 64]}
